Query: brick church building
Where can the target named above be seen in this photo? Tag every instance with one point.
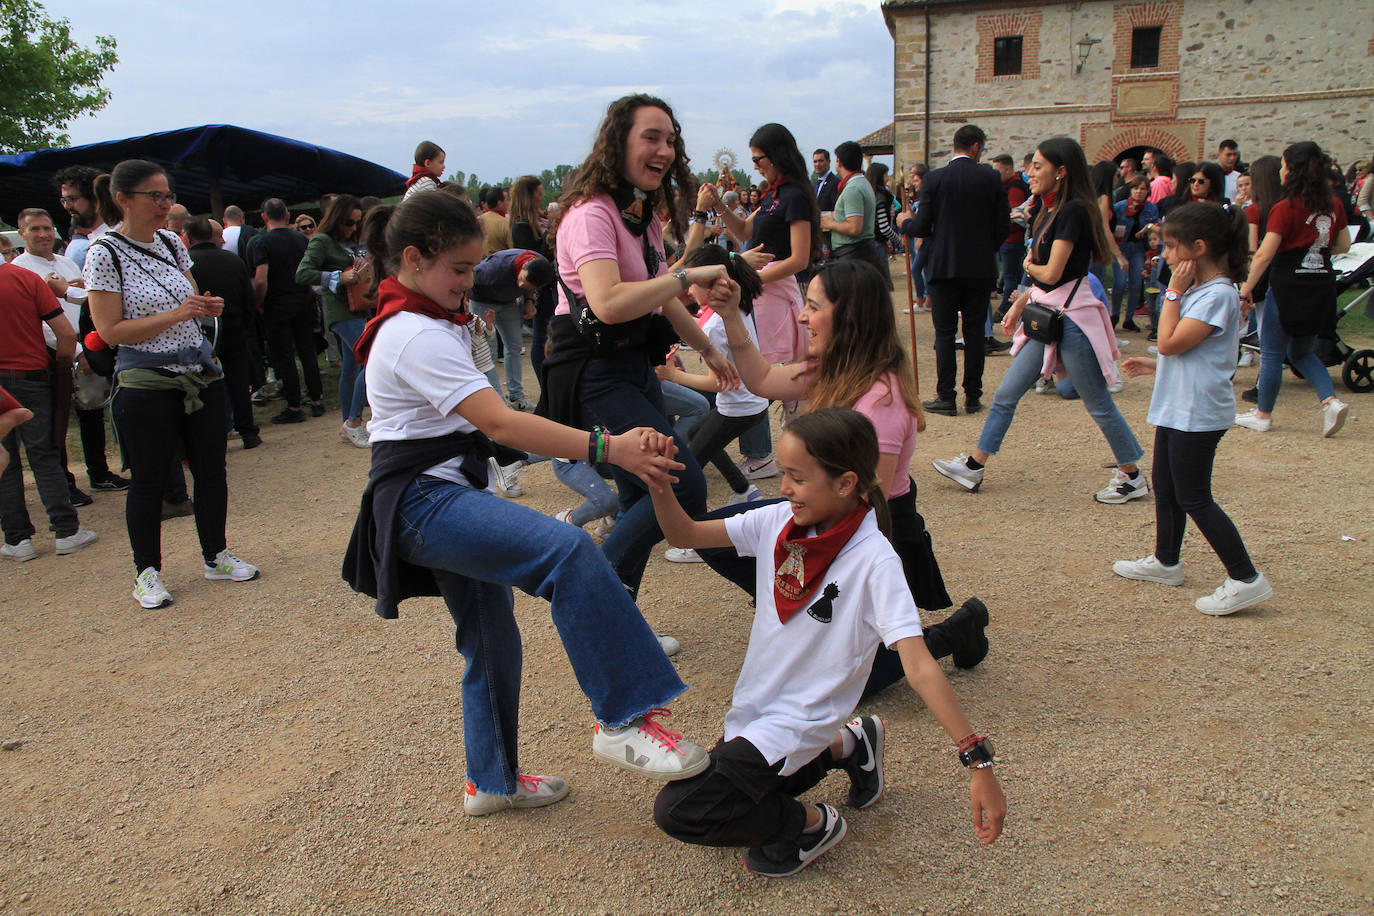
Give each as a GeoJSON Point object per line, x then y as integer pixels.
{"type": "Point", "coordinates": [1119, 76]}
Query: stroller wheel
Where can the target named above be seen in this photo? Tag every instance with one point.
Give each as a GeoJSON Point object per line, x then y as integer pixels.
{"type": "Point", "coordinates": [1358, 371]}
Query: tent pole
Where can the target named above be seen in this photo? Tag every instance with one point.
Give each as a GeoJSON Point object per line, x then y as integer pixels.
{"type": "Point", "coordinates": [216, 198]}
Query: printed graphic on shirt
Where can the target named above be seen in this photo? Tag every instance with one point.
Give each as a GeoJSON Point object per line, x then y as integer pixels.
{"type": "Point", "coordinates": [824, 608]}
{"type": "Point", "coordinates": [1312, 261]}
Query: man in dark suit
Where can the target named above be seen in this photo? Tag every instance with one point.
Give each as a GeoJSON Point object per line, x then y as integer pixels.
{"type": "Point", "coordinates": [222, 273]}
{"type": "Point", "coordinates": [827, 185]}
{"type": "Point", "coordinates": [964, 217]}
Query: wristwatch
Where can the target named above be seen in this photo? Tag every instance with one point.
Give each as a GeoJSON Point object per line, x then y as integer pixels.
{"type": "Point", "coordinates": [681, 276]}
{"type": "Point", "coordinates": [1172, 295]}
{"type": "Point", "coordinates": [978, 755]}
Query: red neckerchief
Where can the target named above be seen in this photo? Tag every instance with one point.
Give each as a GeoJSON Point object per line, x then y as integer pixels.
{"type": "Point", "coordinates": [1200, 200]}
{"type": "Point", "coordinates": [416, 173]}
{"type": "Point", "coordinates": [772, 191]}
{"type": "Point", "coordinates": [1132, 208]}
{"type": "Point", "coordinates": [704, 315]}
{"type": "Point", "coordinates": [844, 181]}
{"type": "Point", "coordinates": [799, 564]}
{"type": "Point", "coordinates": [394, 298]}
{"type": "Point", "coordinates": [1049, 200]}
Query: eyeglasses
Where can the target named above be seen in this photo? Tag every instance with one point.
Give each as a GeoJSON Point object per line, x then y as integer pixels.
{"type": "Point", "coordinates": [1197, 180]}
{"type": "Point", "coordinates": [71, 200]}
{"type": "Point", "coordinates": [158, 197]}
{"type": "Point", "coordinates": [758, 159]}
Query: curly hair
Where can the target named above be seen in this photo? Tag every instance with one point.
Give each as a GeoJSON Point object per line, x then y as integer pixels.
{"type": "Point", "coordinates": [1308, 176]}
{"type": "Point", "coordinates": [604, 168]}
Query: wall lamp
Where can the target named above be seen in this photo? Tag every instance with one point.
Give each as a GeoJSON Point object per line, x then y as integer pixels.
{"type": "Point", "coordinates": [1085, 47]}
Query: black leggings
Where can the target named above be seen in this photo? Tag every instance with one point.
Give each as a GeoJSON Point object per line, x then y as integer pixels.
{"type": "Point", "coordinates": [713, 433]}
{"type": "Point", "coordinates": [151, 424]}
{"type": "Point", "coordinates": [1182, 478]}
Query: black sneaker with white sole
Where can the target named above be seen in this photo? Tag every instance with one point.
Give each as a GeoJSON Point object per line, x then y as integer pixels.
{"type": "Point", "coordinates": [865, 765]}
{"type": "Point", "coordinates": [782, 860]}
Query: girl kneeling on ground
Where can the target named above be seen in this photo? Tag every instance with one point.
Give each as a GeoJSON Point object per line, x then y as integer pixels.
{"type": "Point", "coordinates": [428, 526]}
{"type": "Point", "coordinates": [830, 589]}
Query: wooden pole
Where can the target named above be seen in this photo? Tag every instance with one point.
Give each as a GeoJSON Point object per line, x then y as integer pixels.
{"type": "Point", "coordinates": [910, 298]}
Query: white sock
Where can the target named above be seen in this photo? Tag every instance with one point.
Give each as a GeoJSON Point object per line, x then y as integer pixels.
{"type": "Point", "coordinates": [850, 742]}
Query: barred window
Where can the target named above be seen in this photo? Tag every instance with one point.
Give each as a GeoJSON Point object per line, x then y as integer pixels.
{"type": "Point", "coordinates": [1006, 55]}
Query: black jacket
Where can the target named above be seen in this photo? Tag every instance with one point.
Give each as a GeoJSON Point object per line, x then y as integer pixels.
{"type": "Point", "coordinates": [965, 215]}
{"type": "Point", "coordinates": [221, 273]}
{"type": "Point", "coordinates": [828, 191]}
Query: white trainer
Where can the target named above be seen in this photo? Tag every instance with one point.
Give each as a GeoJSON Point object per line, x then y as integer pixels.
{"type": "Point", "coordinates": [1233, 596]}
{"type": "Point", "coordinates": [681, 555]}
{"type": "Point", "coordinates": [501, 479]}
{"type": "Point", "coordinates": [647, 748]}
{"type": "Point", "coordinates": [231, 568]}
{"type": "Point", "coordinates": [1149, 569]}
{"type": "Point", "coordinates": [957, 470]}
{"type": "Point", "coordinates": [1334, 412]}
{"type": "Point", "coordinates": [71, 544]}
{"type": "Point", "coordinates": [1122, 488]}
{"type": "Point", "coordinates": [1252, 420]}
{"type": "Point", "coordinates": [668, 644]}
{"type": "Point", "coordinates": [748, 496]}
{"type": "Point", "coordinates": [530, 792]}
{"type": "Point", "coordinates": [759, 468]}
{"type": "Point", "coordinates": [149, 590]}
{"type": "Point", "coordinates": [22, 551]}
{"type": "Point", "coordinates": [357, 435]}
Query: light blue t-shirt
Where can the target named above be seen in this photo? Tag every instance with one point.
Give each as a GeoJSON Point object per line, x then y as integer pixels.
{"type": "Point", "coordinates": [1193, 392]}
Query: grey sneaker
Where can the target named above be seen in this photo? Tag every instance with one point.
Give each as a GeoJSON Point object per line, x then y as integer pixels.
{"type": "Point", "coordinates": [231, 568]}
{"type": "Point", "coordinates": [149, 590]}
{"type": "Point", "coordinates": [668, 644]}
{"type": "Point", "coordinates": [530, 792]}
{"type": "Point", "coordinates": [22, 551]}
{"type": "Point", "coordinates": [782, 860]}
{"type": "Point", "coordinates": [957, 470]}
{"type": "Point", "coordinates": [74, 542]}
{"type": "Point", "coordinates": [1233, 596]}
{"type": "Point", "coordinates": [1149, 569]}
{"type": "Point", "coordinates": [647, 748]}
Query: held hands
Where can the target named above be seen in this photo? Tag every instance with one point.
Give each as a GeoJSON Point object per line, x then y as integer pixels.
{"type": "Point", "coordinates": [989, 805]}
{"type": "Point", "coordinates": [1137, 366]}
{"type": "Point", "coordinates": [756, 257]}
{"type": "Point", "coordinates": [646, 453]}
{"type": "Point", "coordinates": [58, 286]}
{"type": "Point", "coordinates": [706, 197]}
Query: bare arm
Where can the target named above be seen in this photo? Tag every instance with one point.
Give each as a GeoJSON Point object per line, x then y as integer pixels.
{"type": "Point", "coordinates": [1049, 273]}
{"type": "Point", "coordinates": [852, 226]}
{"type": "Point", "coordinates": [799, 233]}
{"type": "Point", "coordinates": [681, 530]}
{"type": "Point", "coordinates": [107, 314]}
{"type": "Point", "coordinates": [1342, 243]}
{"type": "Point", "coordinates": [260, 285]}
{"type": "Point", "coordinates": [617, 301]}
{"type": "Point", "coordinates": [1260, 263]}
{"type": "Point", "coordinates": [66, 337]}
{"type": "Point", "coordinates": [787, 382]}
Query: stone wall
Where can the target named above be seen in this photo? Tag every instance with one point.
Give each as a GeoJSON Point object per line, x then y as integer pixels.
{"type": "Point", "coordinates": [1263, 72]}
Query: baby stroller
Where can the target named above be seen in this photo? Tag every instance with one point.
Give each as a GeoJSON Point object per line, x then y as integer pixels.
{"type": "Point", "coordinates": [1357, 366]}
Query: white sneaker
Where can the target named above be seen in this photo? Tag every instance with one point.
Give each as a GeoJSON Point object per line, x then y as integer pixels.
{"type": "Point", "coordinates": [1333, 416]}
{"type": "Point", "coordinates": [1247, 359]}
{"type": "Point", "coordinates": [957, 470]}
{"type": "Point", "coordinates": [1233, 596]}
{"type": "Point", "coordinates": [748, 496]}
{"type": "Point", "coordinates": [1149, 569]}
{"type": "Point", "coordinates": [604, 527]}
{"type": "Point", "coordinates": [530, 792]}
{"type": "Point", "coordinates": [646, 747]}
{"type": "Point", "coordinates": [681, 555]}
{"type": "Point", "coordinates": [759, 468]}
{"type": "Point", "coordinates": [520, 404]}
{"type": "Point", "coordinates": [231, 568]}
{"type": "Point", "coordinates": [1116, 386]}
{"type": "Point", "coordinates": [1252, 420]}
{"type": "Point", "coordinates": [502, 480]}
{"type": "Point", "coordinates": [564, 516]}
{"type": "Point", "coordinates": [1122, 488]}
{"type": "Point", "coordinates": [1045, 385]}
{"type": "Point", "coordinates": [669, 645]}
{"type": "Point", "coordinates": [149, 590]}
{"type": "Point", "coordinates": [22, 551]}
{"type": "Point", "coordinates": [357, 435]}
{"type": "Point", "coordinates": [75, 542]}
{"type": "Point", "coordinates": [1152, 350]}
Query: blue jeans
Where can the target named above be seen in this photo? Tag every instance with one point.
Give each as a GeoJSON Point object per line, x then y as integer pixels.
{"type": "Point", "coordinates": [1012, 257]}
{"type": "Point", "coordinates": [599, 498]}
{"type": "Point", "coordinates": [918, 270]}
{"type": "Point", "coordinates": [508, 319]}
{"type": "Point", "coordinates": [686, 404]}
{"type": "Point", "coordinates": [479, 546]}
{"type": "Point", "coordinates": [1274, 343]}
{"type": "Point", "coordinates": [621, 393]}
{"type": "Point", "coordinates": [352, 378]}
{"type": "Point", "coordinates": [1076, 352]}
{"type": "Point", "coordinates": [1135, 281]}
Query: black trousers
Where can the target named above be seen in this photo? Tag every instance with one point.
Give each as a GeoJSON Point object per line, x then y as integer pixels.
{"type": "Point", "coordinates": [951, 300]}
{"type": "Point", "coordinates": [92, 425]}
{"type": "Point", "coordinates": [152, 425]}
{"type": "Point", "coordinates": [1182, 478]}
{"type": "Point", "coordinates": [291, 334]}
{"type": "Point", "coordinates": [739, 800]}
{"type": "Point", "coordinates": [713, 433]}
{"type": "Point", "coordinates": [233, 356]}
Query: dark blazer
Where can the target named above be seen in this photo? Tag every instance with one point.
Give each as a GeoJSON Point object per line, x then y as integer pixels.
{"type": "Point", "coordinates": [221, 273]}
{"type": "Point", "coordinates": [827, 191]}
{"type": "Point", "coordinates": [965, 215]}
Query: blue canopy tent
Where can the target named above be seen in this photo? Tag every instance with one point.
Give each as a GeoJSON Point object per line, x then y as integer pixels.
{"type": "Point", "coordinates": [209, 167]}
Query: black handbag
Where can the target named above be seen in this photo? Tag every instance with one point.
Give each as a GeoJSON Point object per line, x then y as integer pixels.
{"type": "Point", "coordinates": [1045, 323]}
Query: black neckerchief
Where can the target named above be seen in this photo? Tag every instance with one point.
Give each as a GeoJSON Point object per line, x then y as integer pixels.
{"type": "Point", "coordinates": [634, 208]}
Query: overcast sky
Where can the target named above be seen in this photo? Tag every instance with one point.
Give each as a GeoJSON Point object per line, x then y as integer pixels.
{"type": "Point", "coordinates": [505, 87]}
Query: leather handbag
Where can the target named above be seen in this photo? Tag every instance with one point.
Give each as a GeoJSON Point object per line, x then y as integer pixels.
{"type": "Point", "coordinates": [1045, 323]}
{"type": "Point", "coordinates": [361, 298]}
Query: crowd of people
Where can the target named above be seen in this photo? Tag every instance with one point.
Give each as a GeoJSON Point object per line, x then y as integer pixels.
{"type": "Point", "coordinates": [783, 292]}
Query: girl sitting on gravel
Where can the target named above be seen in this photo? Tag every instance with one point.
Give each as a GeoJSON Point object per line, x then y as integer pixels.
{"type": "Point", "coordinates": [428, 525]}
{"type": "Point", "coordinates": [823, 552]}
{"type": "Point", "coordinates": [1193, 402]}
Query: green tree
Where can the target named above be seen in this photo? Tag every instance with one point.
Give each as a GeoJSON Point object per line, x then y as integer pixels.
{"type": "Point", "coordinates": [49, 79]}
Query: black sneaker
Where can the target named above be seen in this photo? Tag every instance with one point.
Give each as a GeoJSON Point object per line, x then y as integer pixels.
{"type": "Point", "coordinates": [865, 765]}
{"type": "Point", "coordinates": [1250, 395]}
{"type": "Point", "coordinates": [250, 440]}
{"type": "Point", "coordinates": [316, 409]}
{"type": "Point", "coordinates": [290, 415]}
{"type": "Point", "coordinates": [110, 481]}
{"type": "Point", "coordinates": [781, 860]}
{"type": "Point", "coordinates": [78, 498]}
{"type": "Point", "coordinates": [179, 509]}
{"type": "Point", "coordinates": [970, 643]}
{"type": "Point", "coordinates": [1129, 325]}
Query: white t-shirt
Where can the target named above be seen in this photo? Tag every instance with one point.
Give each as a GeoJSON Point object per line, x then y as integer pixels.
{"type": "Point", "coordinates": [741, 402]}
{"type": "Point", "coordinates": [1193, 392]}
{"type": "Point", "coordinates": [418, 371]}
{"type": "Point", "coordinates": [65, 268]}
{"type": "Point", "coordinates": [150, 283]}
{"type": "Point", "coordinates": [231, 239]}
{"type": "Point", "coordinates": [801, 680]}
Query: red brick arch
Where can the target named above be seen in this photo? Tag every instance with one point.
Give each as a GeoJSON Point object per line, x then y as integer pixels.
{"type": "Point", "coordinates": [1157, 135]}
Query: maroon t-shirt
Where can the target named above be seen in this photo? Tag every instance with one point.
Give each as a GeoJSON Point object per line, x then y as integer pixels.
{"type": "Point", "coordinates": [1302, 229]}
{"type": "Point", "coordinates": [25, 303]}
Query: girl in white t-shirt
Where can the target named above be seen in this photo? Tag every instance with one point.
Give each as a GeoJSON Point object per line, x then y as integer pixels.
{"type": "Point", "coordinates": [428, 525]}
{"type": "Point", "coordinates": [1193, 405]}
{"type": "Point", "coordinates": [822, 553]}
{"type": "Point", "coordinates": [736, 410]}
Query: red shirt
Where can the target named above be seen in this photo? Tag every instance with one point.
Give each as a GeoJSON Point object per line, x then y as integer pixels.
{"type": "Point", "coordinates": [1016, 196]}
{"type": "Point", "coordinates": [1300, 229]}
{"type": "Point", "coordinates": [25, 303]}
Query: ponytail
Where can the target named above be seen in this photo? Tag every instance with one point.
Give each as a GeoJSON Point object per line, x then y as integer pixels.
{"type": "Point", "coordinates": [110, 213]}
{"type": "Point", "coordinates": [1224, 230]}
{"type": "Point", "coordinates": [430, 223]}
{"type": "Point", "coordinates": [736, 267]}
{"type": "Point", "coordinates": [373, 236]}
{"type": "Point", "coordinates": [842, 440]}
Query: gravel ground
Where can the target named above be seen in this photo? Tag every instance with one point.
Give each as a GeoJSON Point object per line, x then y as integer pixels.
{"type": "Point", "coordinates": [273, 747]}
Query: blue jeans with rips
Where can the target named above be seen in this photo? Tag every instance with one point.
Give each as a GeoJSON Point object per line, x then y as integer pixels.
{"type": "Point", "coordinates": [1077, 353]}
{"type": "Point", "coordinates": [479, 546]}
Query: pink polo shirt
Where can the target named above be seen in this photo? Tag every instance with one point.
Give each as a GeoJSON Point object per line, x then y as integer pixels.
{"type": "Point", "coordinates": [593, 231]}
